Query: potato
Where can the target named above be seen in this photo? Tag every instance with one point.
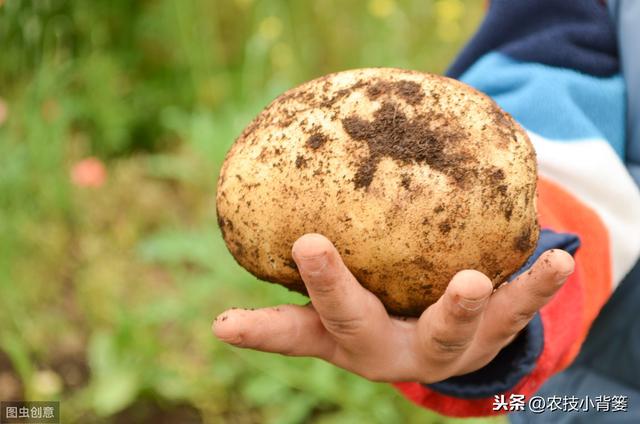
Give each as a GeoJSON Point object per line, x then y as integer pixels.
{"type": "Point", "coordinates": [413, 176]}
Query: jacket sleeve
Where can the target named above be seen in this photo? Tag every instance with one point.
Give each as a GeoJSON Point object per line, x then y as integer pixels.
{"type": "Point", "coordinates": [554, 67]}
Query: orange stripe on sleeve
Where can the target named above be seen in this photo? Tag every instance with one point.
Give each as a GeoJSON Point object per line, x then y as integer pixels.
{"type": "Point", "coordinates": [562, 212]}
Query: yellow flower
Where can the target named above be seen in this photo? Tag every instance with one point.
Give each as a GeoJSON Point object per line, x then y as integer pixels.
{"type": "Point", "coordinates": [449, 10]}
{"type": "Point", "coordinates": [448, 14]}
{"type": "Point", "coordinates": [241, 3]}
{"type": "Point", "coordinates": [270, 28]}
{"type": "Point", "coordinates": [382, 8]}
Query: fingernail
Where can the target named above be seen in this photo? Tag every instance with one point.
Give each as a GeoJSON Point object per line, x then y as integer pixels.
{"type": "Point", "coordinates": [313, 264]}
{"type": "Point", "coordinates": [472, 304]}
{"type": "Point", "coordinates": [561, 278]}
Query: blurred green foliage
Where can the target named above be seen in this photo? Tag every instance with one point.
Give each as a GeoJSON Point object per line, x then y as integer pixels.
{"type": "Point", "coordinates": [107, 294]}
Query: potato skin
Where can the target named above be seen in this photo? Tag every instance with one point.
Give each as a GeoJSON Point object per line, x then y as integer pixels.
{"type": "Point", "coordinates": [413, 176]}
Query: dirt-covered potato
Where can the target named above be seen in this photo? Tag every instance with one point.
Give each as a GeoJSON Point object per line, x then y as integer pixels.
{"type": "Point", "coordinates": [413, 176]}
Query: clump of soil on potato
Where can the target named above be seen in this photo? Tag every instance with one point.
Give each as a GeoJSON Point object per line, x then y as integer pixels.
{"type": "Point", "coordinates": [391, 134]}
{"type": "Point", "coordinates": [410, 91]}
{"type": "Point", "coordinates": [316, 140]}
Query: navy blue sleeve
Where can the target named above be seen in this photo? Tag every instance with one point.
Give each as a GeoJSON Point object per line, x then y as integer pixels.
{"type": "Point", "coordinates": [566, 34]}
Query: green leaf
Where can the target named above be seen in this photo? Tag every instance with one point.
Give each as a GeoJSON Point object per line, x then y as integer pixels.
{"type": "Point", "coordinates": [264, 389]}
{"type": "Point", "coordinates": [178, 247]}
{"type": "Point", "coordinates": [115, 383]}
{"type": "Point", "coordinates": [295, 409]}
{"type": "Point", "coordinates": [114, 392]}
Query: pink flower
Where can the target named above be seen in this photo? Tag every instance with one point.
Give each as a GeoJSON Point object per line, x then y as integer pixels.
{"type": "Point", "coordinates": [89, 172]}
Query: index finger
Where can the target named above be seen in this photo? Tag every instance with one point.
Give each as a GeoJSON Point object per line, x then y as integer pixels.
{"type": "Point", "coordinates": [514, 304]}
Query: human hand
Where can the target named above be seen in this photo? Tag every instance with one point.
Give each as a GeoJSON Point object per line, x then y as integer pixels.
{"type": "Point", "coordinates": [348, 326]}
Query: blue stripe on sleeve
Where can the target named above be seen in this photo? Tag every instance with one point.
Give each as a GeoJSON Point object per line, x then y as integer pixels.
{"type": "Point", "coordinates": [559, 104]}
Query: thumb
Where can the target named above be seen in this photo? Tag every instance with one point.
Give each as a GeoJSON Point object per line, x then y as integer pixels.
{"type": "Point", "coordinates": [343, 304]}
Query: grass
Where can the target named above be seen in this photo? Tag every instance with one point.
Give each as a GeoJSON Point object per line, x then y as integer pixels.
{"type": "Point", "coordinates": [107, 294]}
